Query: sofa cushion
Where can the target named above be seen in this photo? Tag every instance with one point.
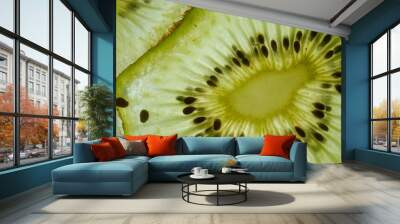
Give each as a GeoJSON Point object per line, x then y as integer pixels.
{"type": "Point", "coordinates": [207, 145]}
{"type": "Point", "coordinates": [161, 145]}
{"type": "Point", "coordinates": [112, 171]}
{"type": "Point", "coordinates": [103, 152]}
{"type": "Point", "coordinates": [249, 145]}
{"type": "Point", "coordinates": [185, 163]}
{"type": "Point", "coordinates": [83, 152]}
{"type": "Point", "coordinates": [257, 163]}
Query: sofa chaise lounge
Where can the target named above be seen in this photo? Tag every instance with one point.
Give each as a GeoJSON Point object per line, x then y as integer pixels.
{"type": "Point", "coordinates": [125, 176]}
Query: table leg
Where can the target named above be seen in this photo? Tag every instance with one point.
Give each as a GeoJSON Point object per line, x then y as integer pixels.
{"type": "Point", "coordinates": [195, 188]}
{"type": "Point", "coordinates": [245, 193]}
{"type": "Point", "coordinates": [217, 194]}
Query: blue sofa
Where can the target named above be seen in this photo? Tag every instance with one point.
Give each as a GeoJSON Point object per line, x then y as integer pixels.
{"type": "Point", "coordinates": [125, 176]}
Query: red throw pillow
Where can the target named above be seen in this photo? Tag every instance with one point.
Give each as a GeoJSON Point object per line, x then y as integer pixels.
{"type": "Point", "coordinates": [103, 152]}
{"type": "Point", "coordinates": [116, 145]}
{"type": "Point", "coordinates": [161, 145]}
{"type": "Point", "coordinates": [277, 145]}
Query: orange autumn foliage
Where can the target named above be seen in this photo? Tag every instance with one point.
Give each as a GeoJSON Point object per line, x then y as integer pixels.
{"type": "Point", "coordinates": [33, 130]}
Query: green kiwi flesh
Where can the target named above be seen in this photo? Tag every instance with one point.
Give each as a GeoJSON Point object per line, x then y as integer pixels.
{"type": "Point", "coordinates": [149, 21]}
{"type": "Point", "coordinates": [221, 75]}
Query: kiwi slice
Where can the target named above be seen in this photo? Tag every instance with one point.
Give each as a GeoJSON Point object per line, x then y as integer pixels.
{"type": "Point", "coordinates": [221, 75]}
{"type": "Point", "coordinates": [141, 24]}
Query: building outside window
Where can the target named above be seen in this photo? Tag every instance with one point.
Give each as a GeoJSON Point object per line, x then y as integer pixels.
{"type": "Point", "coordinates": [59, 127]}
{"type": "Point", "coordinates": [30, 87]}
{"type": "Point", "coordinates": [385, 95]}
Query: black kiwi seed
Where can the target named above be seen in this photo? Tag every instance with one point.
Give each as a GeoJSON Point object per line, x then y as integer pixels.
{"type": "Point", "coordinates": [200, 90]}
{"type": "Point", "coordinates": [296, 46]}
{"type": "Point", "coordinates": [228, 67]}
{"type": "Point", "coordinates": [236, 61]}
{"type": "Point", "coordinates": [218, 70]}
{"type": "Point", "coordinates": [326, 85]}
{"type": "Point", "coordinates": [273, 45]}
{"type": "Point", "coordinates": [189, 100]}
{"type": "Point", "coordinates": [211, 83]}
{"type": "Point", "coordinates": [199, 120]}
{"type": "Point", "coordinates": [188, 110]}
{"type": "Point", "coordinates": [217, 124]}
{"type": "Point", "coordinates": [329, 54]}
{"type": "Point", "coordinates": [326, 40]}
{"type": "Point", "coordinates": [319, 106]}
{"type": "Point", "coordinates": [337, 49]}
{"type": "Point", "coordinates": [323, 126]}
{"type": "Point", "coordinates": [260, 38]}
{"type": "Point", "coordinates": [264, 51]}
{"type": "Point", "coordinates": [208, 130]}
{"type": "Point", "coordinates": [239, 54]}
{"type": "Point", "coordinates": [255, 51]}
{"type": "Point", "coordinates": [300, 131]}
{"type": "Point", "coordinates": [318, 136]}
{"type": "Point", "coordinates": [337, 75]}
{"type": "Point", "coordinates": [328, 108]}
{"type": "Point", "coordinates": [286, 43]}
{"type": "Point", "coordinates": [299, 34]}
{"type": "Point", "coordinates": [180, 98]}
{"type": "Point", "coordinates": [245, 61]}
{"type": "Point", "coordinates": [144, 116]}
{"type": "Point", "coordinates": [338, 88]}
{"type": "Point", "coordinates": [312, 35]}
{"type": "Point", "coordinates": [121, 102]}
{"type": "Point", "coordinates": [214, 78]}
{"type": "Point", "coordinates": [318, 114]}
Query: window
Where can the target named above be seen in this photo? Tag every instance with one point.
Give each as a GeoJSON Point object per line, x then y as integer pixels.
{"type": "Point", "coordinates": [34, 21]}
{"type": "Point", "coordinates": [81, 45]}
{"type": "Point", "coordinates": [7, 14]}
{"type": "Point", "coordinates": [385, 91]}
{"type": "Point", "coordinates": [48, 78]}
{"type": "Point", "coordinates": [44, 91]}
{"type": "Point", "coordinates": [30, 72]}
{"type": "Point", "coordinates": [30, 88]}
{"type": "Point", "coordinates": [6, 74]}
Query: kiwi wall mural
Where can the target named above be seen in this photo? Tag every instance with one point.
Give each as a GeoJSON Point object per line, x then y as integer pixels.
{"type": "Point", "coordinates": [196, 72]}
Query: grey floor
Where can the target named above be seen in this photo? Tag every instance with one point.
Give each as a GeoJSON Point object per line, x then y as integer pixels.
{"type": "Point", "coordinates": [377, 188]}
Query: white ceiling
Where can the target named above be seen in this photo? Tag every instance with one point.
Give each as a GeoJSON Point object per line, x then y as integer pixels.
{"type": "Point", "coordinates": [316, 15]}
{"type": "Point", "coordinates": [321, 9]}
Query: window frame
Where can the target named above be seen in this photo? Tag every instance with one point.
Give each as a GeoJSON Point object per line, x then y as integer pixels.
{"type": "Point", "coordinates": [16, 114]}
{"type": "Point", "coordinates": [388, 74]}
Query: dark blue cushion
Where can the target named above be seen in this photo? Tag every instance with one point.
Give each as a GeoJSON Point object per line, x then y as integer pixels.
{"type": "Point", "coordinates": [207, 145]}
{"type": "Point", "coordinates": [249, 145]}
{"type": "Point", "coordinates": [83, 153]}
{"type": "Point", "coordinates": [257, 163]}
{"type": "Point", "coordinates": [185, 163]}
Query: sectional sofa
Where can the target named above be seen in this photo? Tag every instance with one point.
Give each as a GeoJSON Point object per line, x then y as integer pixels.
{"type": "Point", "coordinates": [125, 176]}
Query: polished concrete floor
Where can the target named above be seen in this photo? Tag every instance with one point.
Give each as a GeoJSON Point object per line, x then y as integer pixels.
{"type": "Point", "coordinates": [378, 189]}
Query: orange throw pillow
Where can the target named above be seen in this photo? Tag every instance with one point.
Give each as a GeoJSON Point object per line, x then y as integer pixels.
{"type": "Point", "coordinates": [103, 152]}
{"type": "Point", "coordinates": [116, 145]}
{"type": "Point", "coordinates": [161, 145]}
{"type": "Point", "coordinates": [277, 145]}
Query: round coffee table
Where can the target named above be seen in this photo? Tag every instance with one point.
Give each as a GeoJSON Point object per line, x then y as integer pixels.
{"type": "Point", "coordinates": [238, 179]}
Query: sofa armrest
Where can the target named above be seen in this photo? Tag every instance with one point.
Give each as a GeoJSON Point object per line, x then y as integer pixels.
{"type": "Point", "coordinates": [83, 152]}
{"type": "Point", "coordinates": [298, 155]}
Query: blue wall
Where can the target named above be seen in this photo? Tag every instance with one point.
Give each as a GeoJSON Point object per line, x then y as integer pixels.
{"type": "Point", "coordinates": [356, 82]}
{"type": "Point", "coordinates": [100, 17]}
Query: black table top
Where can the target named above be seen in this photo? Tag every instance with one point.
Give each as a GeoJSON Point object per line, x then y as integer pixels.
{"type": "Point", "coordinates": [220, 178]}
